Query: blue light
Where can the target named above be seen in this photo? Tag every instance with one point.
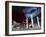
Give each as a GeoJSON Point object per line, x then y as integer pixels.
{"type": "Point", "coordinates": [32, 11]}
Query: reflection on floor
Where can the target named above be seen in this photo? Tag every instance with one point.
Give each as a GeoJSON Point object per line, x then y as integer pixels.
{"type": "Point", "coordinates": [30, 24]}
